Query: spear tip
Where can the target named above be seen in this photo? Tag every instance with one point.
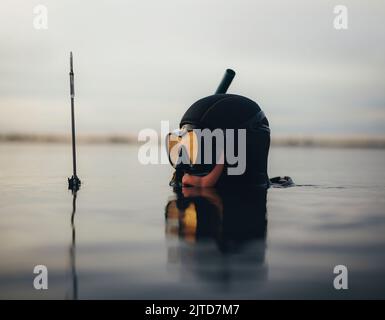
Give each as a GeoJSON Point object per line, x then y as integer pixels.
{"type": "Point", "coordinates": [71, 64]}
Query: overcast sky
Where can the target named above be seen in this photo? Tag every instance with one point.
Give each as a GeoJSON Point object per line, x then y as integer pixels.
{"type": "Point", "coordinates": [139, 62]}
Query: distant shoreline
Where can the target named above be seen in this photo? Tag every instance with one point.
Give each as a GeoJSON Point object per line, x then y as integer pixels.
{"type": "Point", "coordinates": [287, 141]}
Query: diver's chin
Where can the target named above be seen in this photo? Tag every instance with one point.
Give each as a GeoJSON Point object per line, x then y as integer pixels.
{"type": "Point", "coordinates": [197, 176]}
{"type": "Point", "coordinates": [191, 191]}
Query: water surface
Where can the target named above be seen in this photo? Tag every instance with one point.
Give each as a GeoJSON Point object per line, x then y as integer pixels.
{"type": "Point", "coordinates": [132, 237]}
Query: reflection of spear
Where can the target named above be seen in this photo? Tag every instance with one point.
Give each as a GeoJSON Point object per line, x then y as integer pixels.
{"type": "Point", "coordinates": [73, 251]}
{"type": "Point", "coordinates": [73, 182]}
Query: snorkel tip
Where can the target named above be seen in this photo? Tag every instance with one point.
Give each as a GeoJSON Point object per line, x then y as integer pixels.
{"type": "Point", "coordinates": [226, 81]}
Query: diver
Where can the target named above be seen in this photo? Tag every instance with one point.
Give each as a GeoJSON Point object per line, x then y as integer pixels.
{"type": "Point", "coordinates": [186, 147]}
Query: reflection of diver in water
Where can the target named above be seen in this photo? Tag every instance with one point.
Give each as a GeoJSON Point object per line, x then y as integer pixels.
{"type": "Point", "coordinates": [235, 221]}
{"type": "Point", "coordinates": [72, 250]}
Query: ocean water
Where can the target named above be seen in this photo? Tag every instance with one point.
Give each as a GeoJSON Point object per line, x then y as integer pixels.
{"type": "Point", "coordinates": [132, 237]}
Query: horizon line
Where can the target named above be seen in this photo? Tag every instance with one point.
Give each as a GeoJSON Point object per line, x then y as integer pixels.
{"type": "Point", "coordinates": [336, 141]}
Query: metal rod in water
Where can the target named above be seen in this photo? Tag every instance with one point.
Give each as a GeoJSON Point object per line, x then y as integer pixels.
{"type": "Point", "coordinates": [74, 181]}
{"type": "Point", "coordinates": [73, 115]}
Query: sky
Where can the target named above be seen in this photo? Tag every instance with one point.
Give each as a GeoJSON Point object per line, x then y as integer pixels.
{"type": "Point", "coordinates": [139, 62]}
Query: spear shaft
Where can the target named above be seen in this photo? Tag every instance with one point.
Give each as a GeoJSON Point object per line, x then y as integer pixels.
{"type": "Point", "coordinates": [74, 181]}
{"type": "Point", "coordinates": [72, 88]}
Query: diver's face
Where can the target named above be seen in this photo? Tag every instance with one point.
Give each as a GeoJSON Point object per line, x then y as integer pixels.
{"type": "Point", "coordinates": [184, 148]}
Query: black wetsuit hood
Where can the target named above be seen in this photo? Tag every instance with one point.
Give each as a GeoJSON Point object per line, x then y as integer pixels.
{"type": "Point", "coordinates": [230, 111]}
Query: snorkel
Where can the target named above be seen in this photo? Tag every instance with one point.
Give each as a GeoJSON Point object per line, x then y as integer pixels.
{"type": "Point", "coordinates": [183, 166]}
{"type": "Point", "coordinates": [226, 81]}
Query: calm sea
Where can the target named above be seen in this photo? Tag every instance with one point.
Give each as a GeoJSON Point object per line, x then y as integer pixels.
{"type": "Point", "coordinates": [132, 237]}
